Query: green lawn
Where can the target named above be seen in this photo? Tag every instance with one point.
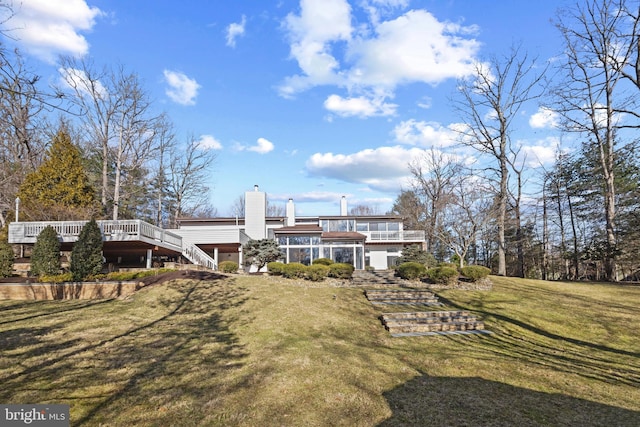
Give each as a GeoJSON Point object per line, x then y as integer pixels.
{"type": "Point", "coordinates": [258, 351]}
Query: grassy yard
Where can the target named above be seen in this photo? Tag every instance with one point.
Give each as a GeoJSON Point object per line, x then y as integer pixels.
{"type": "Point", "coordinates": [258, 351]}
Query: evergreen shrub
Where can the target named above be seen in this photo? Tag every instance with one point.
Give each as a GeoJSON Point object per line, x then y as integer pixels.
{"type": "Point", "coordinates": [294, 270]}
{"type": "Point", "coordinates": [6, 259]}
{"type": "Point", "coordinates": [45, 258]}
{"type": "Point", "coordinates": [443, 275]}
{"type": "Point", "coordinates": [475, 272]}
{"type": "Point", "coordinates": [322, 261]}
{"type": "Point", "coordinates": [411, 270]}
{"type": "Point", "coordinates": [228, 267]}
{"type": "Point", "coordinates": [341, 270]}
{"type": "Point", "coordinates": [317, 272]}
{"type": "Point", "coordinates": [275, 268]}
{"type": "Point", "coordinates": [86, 255]}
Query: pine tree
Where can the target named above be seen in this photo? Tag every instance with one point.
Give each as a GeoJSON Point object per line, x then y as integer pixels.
{"type": "Point", "coordinates": [6, 255]}
{"type": "Point", "coordinates": [86, 256]}
{"type": "Point", "coordinates": [45, 258]}
{"type": "Point", "coordinates": [59, 189]}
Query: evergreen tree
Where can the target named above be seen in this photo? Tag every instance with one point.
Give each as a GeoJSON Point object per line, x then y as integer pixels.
{"type": "Point", "coordinates": [86, 256]}
{"type": "Point", "coordinates": [6, 255]}
{"type": "Point", "coordinates": [262, 252]}
{"type": "Point", "coordinates": [45, 258]}
{"type": "Point", "coordinates": [59, 189]}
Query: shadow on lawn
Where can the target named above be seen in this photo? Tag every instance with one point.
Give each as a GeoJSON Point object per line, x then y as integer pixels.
{"type": "Point", "coordinates": [517, 339]}
{"type": "Point", "coordinates": [472, 401]}
{"type": "Point", "coordinates": [150, 365]}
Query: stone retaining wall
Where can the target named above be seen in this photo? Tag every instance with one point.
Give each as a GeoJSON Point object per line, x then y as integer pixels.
{"type": "Point", "coordinates": [76, 290]}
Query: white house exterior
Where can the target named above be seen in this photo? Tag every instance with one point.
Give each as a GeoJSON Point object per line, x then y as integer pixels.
{"type": "Point", "coordinates": [362, 241]}
{"type": "Point", "coordinates": [374, 241]}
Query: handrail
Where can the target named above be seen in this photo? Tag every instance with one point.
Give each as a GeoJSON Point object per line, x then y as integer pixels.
{"type": "Point", "coordinates": [198, 256]}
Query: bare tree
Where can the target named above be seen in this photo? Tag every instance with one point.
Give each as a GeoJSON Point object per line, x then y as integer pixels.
{"type": "Point", "coordinates": [434, 176]}
{"type": "Point", "coordinates": [189, 167]}
{"type": "Point", "coordinates": [469, 209]}
{"type": "Point", "coordinates": [488, 104]}
{"type": "Point", "coordinates": [595, 101]}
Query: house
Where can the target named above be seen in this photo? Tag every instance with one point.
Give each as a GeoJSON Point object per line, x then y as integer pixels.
{"type": "Point", "coordinates": [375, 241]}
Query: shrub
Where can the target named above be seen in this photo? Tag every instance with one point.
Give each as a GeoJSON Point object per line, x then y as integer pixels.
{"type": "Point", "coordinates": [56, 278]}
{"type": "Point", "coordinates": [228, 267]}
{"type": "Point", "coordinates": [45, 258]}
{"type": "Point", "coordinates": [475, 272]}
{"type": "Point", "coordinates": [86, 255]}
{"type": "Point", "coordinates": [448, 265]}
{"type": "Point", "coordinates": [415, 253]}
{"type": "Point", "coordinates": [275, 268]}
{"type": "Point", "coordinates": [294, 270]}
{"type": "Point", "coordinates": [411, 270]}
{"type": "Point", "coordinates": [317, 272]}
{"type": "Point", "coordinates": [6, 259]}
{"type": "Point", "coordinates": [341, 270]}
{"type": "Point", "coordinates": [261, 252]}
{"type": "Point", "coordinates": [322, 261]}
{"type": "Point", "coordinates": [443, 275]}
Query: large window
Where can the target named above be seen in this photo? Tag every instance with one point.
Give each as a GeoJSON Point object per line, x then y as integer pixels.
{"type": "Point", "coordinates": [338, 225]}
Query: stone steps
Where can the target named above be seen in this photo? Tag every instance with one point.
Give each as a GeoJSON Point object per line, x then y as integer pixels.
{"type": "Point", "coordinates": [387, 296]}
{"type": "Point", "coordinates": [376, 278]}
{"type": "Point", "coordinates": [431, 323]}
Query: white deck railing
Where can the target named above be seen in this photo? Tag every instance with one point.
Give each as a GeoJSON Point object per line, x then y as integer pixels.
{"type": "Point", "coordinates": [112, 231]}
{"type": "Point", "coordinates": [395, 236]}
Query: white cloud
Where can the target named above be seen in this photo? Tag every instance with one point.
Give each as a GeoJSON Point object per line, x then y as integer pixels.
{"type": "Point", "coordinates": [379, 56]}
{"type": "Point", "coordinates": [182, 89]}
{"type": "Point", "coordinates": [74, 78]}
{"type": "Point", "coordinates": [235, 30]}
{"type": "Point", "coordinates": [383, 168]}
{"type": "Point", "coordinates": [209, 142]}
{"type": "Point", "coordinates": [544, 118]}
{"type": "Point", "coordinates": [47, 28]}
{"type": "Point", "coordinates": [311, 33]}
{"type": "Point", "coordinates": [425, 134]}
{"type": "Point", "coordinates": [543, 152]}
{"type": "Point", "coordinates": [263, 146]}
{"type": "Point", "coordinates": [359, 106]}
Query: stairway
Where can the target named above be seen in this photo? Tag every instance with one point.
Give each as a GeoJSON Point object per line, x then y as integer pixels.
{"type": "Point", "coordinates": [376, 278]}
{"type": "Point", "coordinates": [432, 323]}
{"type": "Point", "coordinates": [401, 296]}
{"type": "Point", "coordinates": [419, 323]}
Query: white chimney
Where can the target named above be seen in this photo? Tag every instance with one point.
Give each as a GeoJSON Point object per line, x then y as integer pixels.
{"type": "Point", "coordinates": [255, 212]}
{"type": "Point", "coordinates": [291, 213]}
{"type": "Point", "coordinates": [343, 206]}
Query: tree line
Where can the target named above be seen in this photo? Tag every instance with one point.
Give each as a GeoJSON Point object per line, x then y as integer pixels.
{"type": "Point", "coordinates": [582, 220]}
{"type": "Point", "coordinates": [108, 154]}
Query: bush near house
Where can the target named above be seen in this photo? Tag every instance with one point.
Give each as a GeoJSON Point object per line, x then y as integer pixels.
{"type": "Point", "coordinates": [322, 261]}
{"type": "Point", "coordinates": [475, 272]}
{"type": "Point", "coordinates": [45, 258]}
{"type": "Point", "coordinates": [275, 268]}
{"type": "Point", "coordinates": [228, 267]}
{"type": "Point", "coordinates": [443, 275]}
{"type": "Point", "coordinates": [341, 270]}
{"type": "Point", "coordinates": [86, 256]}
{"type": "Point", "coordinates": [411, 270]}
{"type": "Point", "coordinates": [294, 270]}
{"type": "Point", "coordinates": [317, 272]}
{"type": "Point", "coordinates": [415, 253]}
{"type": "Point", "coordinates": [6, 259]}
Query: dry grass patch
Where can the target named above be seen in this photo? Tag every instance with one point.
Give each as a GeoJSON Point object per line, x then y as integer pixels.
{"type": "Point", "coordinates": [256, 350]}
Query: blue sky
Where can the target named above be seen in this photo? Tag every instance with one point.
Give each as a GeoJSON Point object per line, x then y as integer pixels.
{"type": "Point", "coordinates": [311, 99]}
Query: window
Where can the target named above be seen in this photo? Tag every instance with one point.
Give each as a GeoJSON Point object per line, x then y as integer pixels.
{"type": "Point", "coordinates": [299, 240]}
